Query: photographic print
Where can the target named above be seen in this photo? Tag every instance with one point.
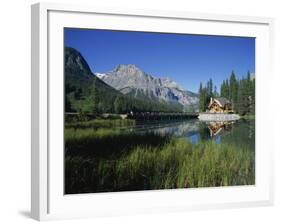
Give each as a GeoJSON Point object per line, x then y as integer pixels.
{"type": "Point", "coordinates": [151, 111]}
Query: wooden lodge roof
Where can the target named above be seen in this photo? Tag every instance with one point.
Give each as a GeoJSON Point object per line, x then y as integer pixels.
{"type": "Point", "coordinates": [220, 100]}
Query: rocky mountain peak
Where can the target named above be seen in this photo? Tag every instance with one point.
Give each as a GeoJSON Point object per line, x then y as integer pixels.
{"type": "Point", "coordinates": [167, 82]}
{"type": "Point", "coordinates": [129, 69]}
{"type": "Point", "coordinates": [74, 60]}
{"type": "Point", "coordinates": [131, 80]}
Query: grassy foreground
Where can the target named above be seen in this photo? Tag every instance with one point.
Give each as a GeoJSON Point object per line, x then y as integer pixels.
{"type": "Point", "coordinates": [172, 163]}
{"type": "Point", "coordinates": [107, 143]}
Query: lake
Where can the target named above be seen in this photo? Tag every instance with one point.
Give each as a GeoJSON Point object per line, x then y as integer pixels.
{"type": "Point", "coordinates": [124, 155]}
{"type": "Point", "coordinates": [194, 130]}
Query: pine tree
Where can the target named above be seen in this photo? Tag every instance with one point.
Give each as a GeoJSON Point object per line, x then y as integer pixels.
{"type": "Point", "coordinates": [222, 90]}
{"type": "Point", "coordinates": [233, 89]}
{"type": "Point", "coordinates": [201, 98]}
{"type": "Point", "coordinates": [210, 88]}
{"type": "Point", "coordinates": [116, 105]}
{"type": "Point", "coordinates": [251, 93]}
{"type": "Point", "coordinates": [243, 101]}
{"type": "Point", "coordinates": [94, 97]}
{"type": "Point", "coordinates": [200, 88]}
{"type": "Point", "coordinates": [216, 94]}
{"type": "Point", "coordinates": [67, 105]}
{"type": "Point", "coordinates": [121, 105]}
{"type": "Point", "coordinates": [227, 90]}
{"type": "Point", "coordinates": [253, 109]}
{"type": "Point", "coordinates": [240, 92]}
{"type": "Point", "coordinates": [205, 93]}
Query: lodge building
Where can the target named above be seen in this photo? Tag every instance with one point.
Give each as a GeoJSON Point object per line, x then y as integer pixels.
{"type": "Point", "coordinates": [220, 105]}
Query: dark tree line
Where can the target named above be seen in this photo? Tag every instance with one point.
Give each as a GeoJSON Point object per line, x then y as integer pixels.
{"type": "Point", "coordinates": [99, 101]}
{"type": "Point", "coordinates": [205, 94]}
{"type": "Point", "coordinates": [240, 92]}
{"type": "Point", "coordinates": [126, 104]}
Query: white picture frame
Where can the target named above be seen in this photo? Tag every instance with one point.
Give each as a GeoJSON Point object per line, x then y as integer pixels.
{"type": "Point", "coordinates": [47, 198]}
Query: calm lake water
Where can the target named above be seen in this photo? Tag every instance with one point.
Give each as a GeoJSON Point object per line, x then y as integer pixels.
{"type": "Point", "coordinates": [241, 131]}
{"type": "Point", "coordinates": [100, 163]}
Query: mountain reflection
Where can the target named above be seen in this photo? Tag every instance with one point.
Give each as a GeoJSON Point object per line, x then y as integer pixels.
{"type": "Point", "coordinates": [194, 130]}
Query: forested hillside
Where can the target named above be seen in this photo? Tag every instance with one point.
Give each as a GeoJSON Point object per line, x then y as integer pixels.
{"type": "Point", "coordinates": [240, 92]}
{"type": "Point", "coordinates": [85, 92]}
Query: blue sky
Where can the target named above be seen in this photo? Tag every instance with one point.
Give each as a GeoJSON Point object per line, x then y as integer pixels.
{"type": "Point", "coordinates": [187, 59]}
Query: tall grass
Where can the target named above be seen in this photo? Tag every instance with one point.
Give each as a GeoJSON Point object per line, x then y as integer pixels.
{"type": "Point", "coordinates": [175, 164]}
{"type": "Point", "coordinates": [107, 143]}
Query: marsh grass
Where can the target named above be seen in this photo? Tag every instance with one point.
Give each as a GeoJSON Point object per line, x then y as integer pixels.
{"type": "Point", "coordinates": [107, 143]}
{"type": "Point", "coordinates": [175, 164]}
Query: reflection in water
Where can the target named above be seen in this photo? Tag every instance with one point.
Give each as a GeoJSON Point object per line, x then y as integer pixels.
{"type": "Point", "coordinates": [164, 165]}
{"type": "Point", "coordinates": [216, 127]}
{"type": "Point", "coordinates": [197, 131]}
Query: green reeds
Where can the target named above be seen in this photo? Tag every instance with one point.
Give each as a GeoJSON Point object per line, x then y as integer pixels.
{"type": "Point", "coordinates": [175, 164]}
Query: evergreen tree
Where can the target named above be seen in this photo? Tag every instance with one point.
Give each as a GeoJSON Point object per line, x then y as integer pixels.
{"type": "Point", "coordinates": [250, 94]}
{"type": "Point", "coordinates": [67, 105]}
{"type": "Point", "coordinates": [225, 89]}
{"type": "Point", "coordinates": [222, 91]}
{"type": "Point", "coordinates": [233, 90]}
{"type": "Point", "coordinates": [94, 97]}
{"type": "Point", "coordinates": [78, 94]}
{"type": "Point", "coordinates": [216, 94]}
{"type": "Point", "coordinates": [202, 98]}
{"type": "Point", "coordinates": [205, 93]}
{"type": "Point", "coordinates": [210, 87]}
{"type": "Point", "coordinates": [243, 98]}
{"type": "Point", "coordinates": [240, 92]}
{"type": "Point", "coordinates": [252, 109]}
{"type": "Point", "coordinates": [248, 76]}
{"type": "Point", "coordinates": [200, 88]}
{"type": "Point", "coordinates": [117, 105]}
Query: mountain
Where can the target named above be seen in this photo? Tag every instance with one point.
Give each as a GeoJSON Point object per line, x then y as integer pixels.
{"type": "Point", "coordinates": [85, 91]}
{"type": "Point", "coordinates": [132, 81]}
{"type": "Point", "coordinates": [79, 81]}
